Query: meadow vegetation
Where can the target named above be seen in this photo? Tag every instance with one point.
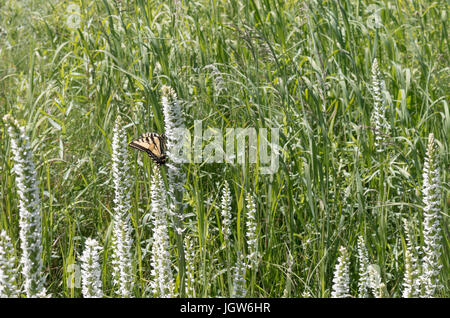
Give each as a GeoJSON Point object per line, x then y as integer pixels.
{"type": "Point", "coordinates": [358, 206]}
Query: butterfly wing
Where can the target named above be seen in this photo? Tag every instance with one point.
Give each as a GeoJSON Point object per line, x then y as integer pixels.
{"type": "Point", "coordinates": [163, 143]}
{"type": "Point", "coordinates": [153, 144]}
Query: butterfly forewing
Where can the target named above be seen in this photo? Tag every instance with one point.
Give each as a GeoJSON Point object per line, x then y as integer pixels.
{"type": "Point", "coordinates": [153, 144]}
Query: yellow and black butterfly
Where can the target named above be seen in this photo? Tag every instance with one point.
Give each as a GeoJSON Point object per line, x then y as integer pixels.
{"type": "Point", "coordinates": [153, 144]}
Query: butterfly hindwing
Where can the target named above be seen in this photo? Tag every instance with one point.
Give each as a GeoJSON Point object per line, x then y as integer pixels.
{"type": "Point", "coordinates": [153, 144]}
{"type": "Point", "coordinates": [163, 143]}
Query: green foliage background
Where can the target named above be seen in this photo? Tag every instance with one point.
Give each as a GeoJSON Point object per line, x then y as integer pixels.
{"type": "Point", "coordinates": [301, 66]}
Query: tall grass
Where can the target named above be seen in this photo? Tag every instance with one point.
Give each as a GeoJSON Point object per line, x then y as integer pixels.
{"type": "Point", "coordinates": [304, 67]}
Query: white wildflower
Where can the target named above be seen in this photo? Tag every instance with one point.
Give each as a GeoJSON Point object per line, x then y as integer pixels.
{"type": "Point", "coordinates": [375, 282]}
{"type": "Point", "coordinates": [378, 115]}
{"type": "Point", "coordinates": [8, 270]}
{"type": "Point", "coordinates": [122, 241]}
{"type": "Point", "coordinates": [239, 290]}
{"type": "Point", "coordinates": [226, 213]}
{"type": "Point", "coordinates": [29, 209]}
{"type": "Point", "coordinates": [431, 227]}
{"type": "Point", "coordinates": [90, 270]}
{"type": "Point", "coordinates": [363, 283]}
{"type": "Point", "coordinates": [252, 235]}
{"type": "Point", "coordinates": [411, 282]}
{"type": "Point", "coordinates": [190, 266]}
{"type": "Point", "coordinates": [341, 280]}
{"type": "Point", "coordinates": [306, 294]}
{"type": "Point", "coordinates": [162, 283]}
{"type": "Point", "coordinates": [175, 135]}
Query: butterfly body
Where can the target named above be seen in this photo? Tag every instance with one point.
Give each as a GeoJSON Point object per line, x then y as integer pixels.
{"type": "Point", "coordinates": [153, 144]}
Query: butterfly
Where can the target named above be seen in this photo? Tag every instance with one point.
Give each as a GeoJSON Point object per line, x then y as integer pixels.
{"type": "Point", "coordinates": [153, 144]}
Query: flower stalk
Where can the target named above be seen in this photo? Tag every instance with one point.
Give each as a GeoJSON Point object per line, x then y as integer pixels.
{"type": "Point", "coordinates": [190, 267]}
{"type": "Point", "coordinates": [162, 283]}
{"type": "Point", "coordinates": [8, 271]}
{"type": "Point", "coordinates": [363, 283]}
{"type": "Point", "coordinates": [381, 127]}
{"type": "Point", "coordinates": [175, 135]}
{"type": "Point", "coordinates": [226, 213]}
{"type": "Point", "coordinates": [90, 270]}
{"type": "Point", "coordinates": [29, 209]}
{"type": "Point", "coordinates": [122, 242]}
{"type": "Point", "coordinates": [341, 280]}
{"type": "Point", "coordinates": [239, 290]}
{"type": "Point", "coordinates": [431, 226]}
{"type": "Point", "coordinates": [252, 235]}
{"type": "Point", "coordinates": [411, 282]}
{"type": "Point", "coordinates": [375, 282]}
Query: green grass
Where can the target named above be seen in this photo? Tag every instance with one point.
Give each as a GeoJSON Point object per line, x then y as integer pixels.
{"type": "Point", "coordinates": [302, 66]}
